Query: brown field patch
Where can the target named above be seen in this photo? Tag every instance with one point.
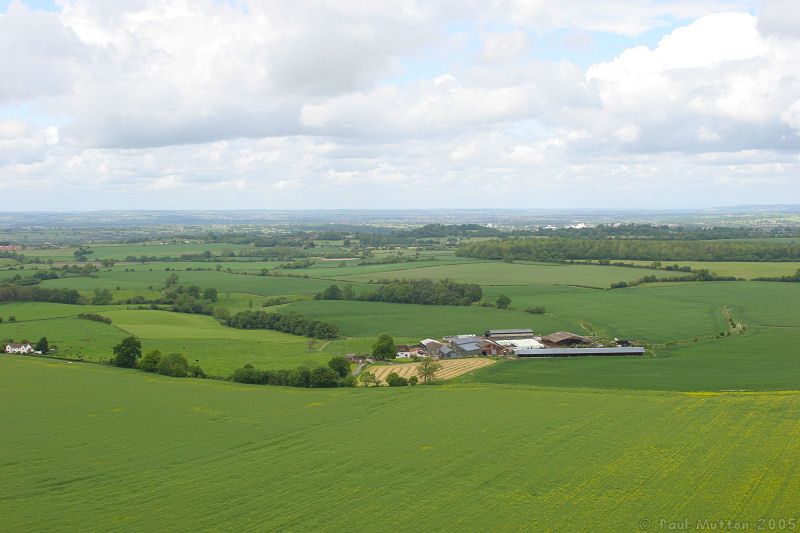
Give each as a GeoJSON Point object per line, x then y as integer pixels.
{"type": "Point", "coordinates": [451, 368]}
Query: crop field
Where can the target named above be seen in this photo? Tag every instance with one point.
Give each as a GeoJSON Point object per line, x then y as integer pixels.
{"type": "Point", "coordinates": [450, 368]}
{"type": "Point", "coordinates": [738, 269]}
{"type": "Point", "coordinates": [496, 457]}
{"type": "Point", "coordinates": [500, 273]}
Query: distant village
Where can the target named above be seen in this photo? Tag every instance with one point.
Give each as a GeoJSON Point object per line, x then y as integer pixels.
{"type": "Point", "coordinates": [521, 343]}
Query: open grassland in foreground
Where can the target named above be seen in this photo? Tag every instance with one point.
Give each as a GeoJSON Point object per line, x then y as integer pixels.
{"type": "Point", "coordinates": [95, 448]}
{"type": "Point", "coordinates": [450, 368]}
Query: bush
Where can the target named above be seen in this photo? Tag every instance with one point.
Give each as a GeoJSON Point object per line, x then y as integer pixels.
{"type": "Point", "coordinates": [248, 374]}
{"type": "Point", "coordinates": [95, 317]}
{"type": "Point", "coordinates": [396, 380]}
{"type": "Point", "coordinates": [502, 302]}
{"type": "Point", "coordinates": [340, 366]}
{"type": "Point", "coordinates": [535, 310]}
{"type": "Point", "coordinates": [323, 377]}
{"type": "Point", "coordinates": [149, 362]}
{"type": "Point", "coordinates": [174, 365]}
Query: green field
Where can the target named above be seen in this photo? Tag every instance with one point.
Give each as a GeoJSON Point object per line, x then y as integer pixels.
{"type": "Point", "coordinates": [95, 448]}
{"type": "Point", "coordinates": [500, 273]}
{"type": "Point", "coordinates": [738, 269]}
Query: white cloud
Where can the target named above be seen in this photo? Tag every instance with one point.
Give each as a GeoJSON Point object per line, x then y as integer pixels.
{"type": "Point", "coordinates": [316, 103]}
{"type": "Point", "coordinates": [792, 116]}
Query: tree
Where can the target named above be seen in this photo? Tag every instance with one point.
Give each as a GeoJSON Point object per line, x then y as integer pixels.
{"type": "Point", "coordinates": [340, 365]}
{"type": "Point", "coordinates": [427, 369]}
{"type": "Point", "coordinates": [502, 302]}
{"type": "Point", "coordinates": [42, 345]}
{"type": "Point", "coordinates": [102, 297]}
{"type": "Point", "coordinates": [396, 380]}
{"type": "Point", "coordinates": [323, 377]}
{"type": "Point", "coordinates": [127, 352]}
{"type": "Point", "coordinates": [149, 362]}
{"type": "Point", "coordinates": [384, 348]}
{"type": "Point", "coordinates": [171, 281]}
{"type": "Point", "coordinates": [347, 293]}
{"type": "Point", "coordinates": [174, 365]}
{"type": "Point", "coordinates": [368, 378]}
{"type": "Point", "coordinates": [210, 294]}
{"type": "Point", "coordinates": [332, 293]}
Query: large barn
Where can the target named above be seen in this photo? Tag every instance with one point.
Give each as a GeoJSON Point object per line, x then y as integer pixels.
{"type": "Point", "coordinates": [578, 352]}
{"type": "Point", "coordinates": [562, 339]}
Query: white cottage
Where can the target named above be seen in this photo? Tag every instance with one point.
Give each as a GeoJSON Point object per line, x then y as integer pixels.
{"type": "Point", "coordinates": [19, 348]}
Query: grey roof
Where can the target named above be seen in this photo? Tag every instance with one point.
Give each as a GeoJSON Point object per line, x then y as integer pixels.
{"type": "Point", "coordinates": [561, 352]}
{"type": "Point", "coordinates": [465, 340]}
{"type": "Point", "coordinates": [510, 331]}
{"type": "Point", "coordinates": [445, 349]}
{"type": "Point", "coordinates": [469, 347]}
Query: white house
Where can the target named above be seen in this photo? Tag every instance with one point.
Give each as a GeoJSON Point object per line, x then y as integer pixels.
{"type": "Point", "coordinates": [19, 348]}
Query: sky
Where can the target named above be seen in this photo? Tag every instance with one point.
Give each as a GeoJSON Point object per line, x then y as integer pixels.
{"type": "Point", "coordinates": [268, 104]}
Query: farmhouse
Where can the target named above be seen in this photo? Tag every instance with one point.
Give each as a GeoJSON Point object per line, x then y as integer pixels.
{"type": "Point", "coordinates": [577, 352]}
{"type": "Point", "coordinates": [561, 339]}
{"type": "Point", "coordinates": [19, 348]}
{"type": "Point", "coordinates": [357, 359]}
{"type": "Point", "coordinates": [507, 334]}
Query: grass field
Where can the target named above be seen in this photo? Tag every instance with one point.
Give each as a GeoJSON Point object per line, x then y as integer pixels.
{"type": "Point", "coordinates": [358, 319]}
{"type": "Point", "coordinates": [738, 269]}
{"type": "Point", "coordinates": [762, 359]}
{"type": "Point", "coordinates": [500, 273]}
{"type": "Point", "coordinates": [97, 448]}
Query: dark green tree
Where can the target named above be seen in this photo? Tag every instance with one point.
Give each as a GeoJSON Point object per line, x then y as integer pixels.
{"type": "Point", "coordinates": [332, 293]}
{"type": "Point", "coordinates": [340, 365]}
{"type": "Point", "coordinates": [149, 362]}
{"type": "Point", "coordinates": [42, 345]}
{"type": "Point", "coordinates": [502, 302]}
{"type": "Point", "coordinates": [384, 348]}
{"type": "Point", "coordinates": [323, 377]}
{"type": "Point", "coordinates": [102, 297]}
{"type": "Point", "coordinates": [396, 380]}
{"type": "Point", "coordinates": [210, 294]}
{"type": "Point", "coordinates": [174, 365]}
{"type": "Point", "coordinates": [127, 352]}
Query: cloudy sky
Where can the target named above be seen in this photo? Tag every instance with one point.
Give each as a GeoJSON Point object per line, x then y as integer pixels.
{"type": "Point", "coordinates": [162, 104]}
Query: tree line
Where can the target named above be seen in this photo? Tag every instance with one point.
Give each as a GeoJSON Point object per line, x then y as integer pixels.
{"type": "Point", "coordinates": [336, 374]}
{"type": "Point", "coordinates": [410, 291]}
{"type": "Point", "coordinates": [293, 323]}
{"type": "Point", "coordinates": [559, 250]}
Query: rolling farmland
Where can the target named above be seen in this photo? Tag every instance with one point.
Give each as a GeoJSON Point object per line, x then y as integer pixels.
{"type": "Point", "coordinates": [550, 458]}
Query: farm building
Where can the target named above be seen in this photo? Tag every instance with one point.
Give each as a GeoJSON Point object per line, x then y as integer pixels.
{"type": "Point", "coordinates": [18, 348]}
{"type": "Point", "coordinates": [564, 338]}
{"type": "Point", "coordinates": [357, 359]}
{"type": "Point", "coordinates": [507, 334]}
{"type": "Point", "coordinates": [430, 346]}
{"type": "Point", "coordinates": [471, 345]}
{"type": "Point", "coordinates": [521, 344]}
{"type": "Point", "coordinates": [577, 352]}
{"type": "Point", "coordinates": [446, 352]}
